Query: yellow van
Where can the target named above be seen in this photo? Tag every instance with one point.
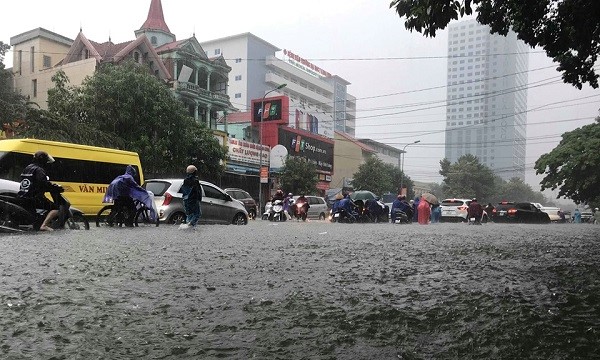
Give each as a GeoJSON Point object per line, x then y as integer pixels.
{"type": "Point", "coordinates": [84, 171]}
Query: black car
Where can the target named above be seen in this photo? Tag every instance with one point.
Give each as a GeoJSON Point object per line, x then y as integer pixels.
{"type": "Point", "coordinates": [519, 212]}
{"type": "Point", "coordinates": [245, 198]}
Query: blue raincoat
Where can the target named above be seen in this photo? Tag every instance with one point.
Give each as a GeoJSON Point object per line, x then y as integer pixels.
{"type": "Point", "coordinates": [125, 185]}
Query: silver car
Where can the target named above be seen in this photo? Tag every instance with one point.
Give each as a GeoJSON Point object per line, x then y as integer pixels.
{"type": "Point", "coordinates": [217, 207]}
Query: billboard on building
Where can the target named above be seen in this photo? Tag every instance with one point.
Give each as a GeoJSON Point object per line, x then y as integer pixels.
{"type": "Point", "coordinates": [311, 120]}
{"type": "Point", "coordinates": [277, 110]}
{"type": "Point", "coordinates": [315, 149]}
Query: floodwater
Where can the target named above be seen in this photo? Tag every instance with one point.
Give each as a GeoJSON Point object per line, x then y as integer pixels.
{"type": "Point", "coordinates": [303, 291]}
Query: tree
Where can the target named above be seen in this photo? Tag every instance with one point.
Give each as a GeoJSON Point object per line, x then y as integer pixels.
{"type": "Point", "coordinates": [574, 165]}
{"type": "Point", "coordinates": [396, 180]}
{"type": "Point", "coordinates": [13, 106]}
{"type": "Point", "coordinates": [373, 176]}
{"type": "Point", "coordinates": [568, 30]}
{"type": "Point", "coordinates": [298, 175]}
{"type": "Point", "coordinates": [515, 189]}
{"type": "Point", "coordinates": [142, 115]}
{"type": "Point", "coordinates": [467, 178]}
{"type": "Point", "coordinates": [64, 119]}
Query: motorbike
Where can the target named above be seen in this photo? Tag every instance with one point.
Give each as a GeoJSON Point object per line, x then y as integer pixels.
{"type": "Point", "coordinates": [268, 209]}
{"type": "Point", "coordinates": [277, 213]}
{"type": "Point", "coordinates": [401, 217]}
{"type": "Point", "coordinates": [300, 210]}
{"type": "Point", "coordinates": [17, 214]}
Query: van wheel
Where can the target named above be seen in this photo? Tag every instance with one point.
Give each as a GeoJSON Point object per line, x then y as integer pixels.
{"type": "Point", "coordinates": [177, 218]}
{"type": "Point", "coordinates": [322, 216]}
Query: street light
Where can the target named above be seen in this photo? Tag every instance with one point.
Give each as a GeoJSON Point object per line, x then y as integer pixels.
{"type": "Point", "coordinates": [402, 164]}
{"type": "Point", "coordinates": [260, 129]}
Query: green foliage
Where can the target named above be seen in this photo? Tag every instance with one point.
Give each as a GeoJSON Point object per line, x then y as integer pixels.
{"type": "Point", "coordinates": [373, 176]}
{"type": "Point", "coordinates": [396, 175]}
{"type": "Point", "coordinates": [126, 107]}
{"type": "Point", "coordinates": [298, 176]}
{"type": "Point", "coordinates": [13, 106]}
{"type": "Point", "coordinates": [467, 178]}
{"type": "Point", "coordinates": [516, 189]}
{"type": "Point", "coordinates": [574, 165]}
{"type": "Point", "coordinates": [568, 30]}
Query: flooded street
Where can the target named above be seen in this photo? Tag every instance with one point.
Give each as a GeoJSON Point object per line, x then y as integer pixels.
{"type": "Point", "coordinates": [303, 291]}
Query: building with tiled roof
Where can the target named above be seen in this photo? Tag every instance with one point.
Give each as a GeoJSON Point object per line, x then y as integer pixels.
{"type": "Point", "coordinates": [200, 82]}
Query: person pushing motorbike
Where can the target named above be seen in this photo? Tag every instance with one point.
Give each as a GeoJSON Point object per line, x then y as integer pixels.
{"type": "Point", "coordinates": [123, 189]}
{"type": "Point", "coordinates": [35, 183]}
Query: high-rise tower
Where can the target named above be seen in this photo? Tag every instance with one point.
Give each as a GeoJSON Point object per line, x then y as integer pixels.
{"type": "Point", "coordinates": [487, 98]}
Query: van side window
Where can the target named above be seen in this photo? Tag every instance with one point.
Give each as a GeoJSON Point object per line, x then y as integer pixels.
{"type": "Point", "coordinates": [65, 170]}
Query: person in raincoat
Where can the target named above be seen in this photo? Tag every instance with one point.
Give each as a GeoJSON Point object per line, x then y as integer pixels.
{"type": "Point", "coordinates": [415, 206]}
{"type": "Point", "coordinates": [576, 216]}
{"type": "Point", "coordinates": [192, 197]}
{"type": "Point", "coordinates": [124, 189]}
{"type": "Point", "coordinates": [436, 213]}
{"type": "Point", "coordinates": [424, 212]}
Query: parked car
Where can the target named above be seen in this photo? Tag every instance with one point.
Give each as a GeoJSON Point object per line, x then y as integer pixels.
{"type": "Point", "coordinates": [217, 206]}
{"type": "Point", "coordinates": [318, 207]}
{"type": "Point", "coordinates": [246, 199]}
{"type": "Point", "coordinates": [520, 212]}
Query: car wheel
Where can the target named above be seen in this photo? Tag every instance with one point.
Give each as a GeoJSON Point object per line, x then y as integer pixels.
{"type": "Point", "coordinates": [252, 214]}
{"type": "Point", "coordinates": [240, 219]}
{"type": "Point", "coordinates": [322, 216]}
{"type": "Point", "coordinates": [177, 218]}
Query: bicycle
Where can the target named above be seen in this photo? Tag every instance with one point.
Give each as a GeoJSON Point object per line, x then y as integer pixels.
{"type": "Point", "coordinates": [128, 212]}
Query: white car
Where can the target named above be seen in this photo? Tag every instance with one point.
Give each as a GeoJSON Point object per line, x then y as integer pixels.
{"type": "Point", "coordinates": [454, 209]}
{"type": "Point", "coordinates": [9, 187]}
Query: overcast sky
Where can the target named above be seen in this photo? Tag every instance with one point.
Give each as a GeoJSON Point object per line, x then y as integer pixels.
{"type": "Point", "coordinates": [362, 41]}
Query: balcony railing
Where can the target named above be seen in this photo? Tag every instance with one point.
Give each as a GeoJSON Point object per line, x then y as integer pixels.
{"type": "Point", "coordinates": [195, 89]}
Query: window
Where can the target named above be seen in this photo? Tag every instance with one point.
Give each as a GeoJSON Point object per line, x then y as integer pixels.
{"type": "Point", "coordinates": [238, 60]}
{"type": "Point", "coordinates": [47, 61]}
{"type": "Point", "coordinates": [32, 59]}
{"type": "Point", "coordinates": [238, 95]}
{"type": "Point", "coordinates": [20, 61]}
{"type": "Point", "coordinates": [153, 40]}
{"type": "Point", "coordinates": [136, 57]}
{"type": "Point", "coordinates": [238, 77]}
{"type": "Point", "coordinates": [34, 87]}
{"type": "Point", "coordinates": [217, 51]}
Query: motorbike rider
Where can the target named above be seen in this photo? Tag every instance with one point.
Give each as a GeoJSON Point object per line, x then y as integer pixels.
{"type": "Point", "coordinates": [401, 204]}
{"type": "Point", "coordinates": [302, 200]}
{"type": "Point", "coordinates": [278, 196]}
{"type": "Point", "coordinates": [123, 189]}
{"type": "Point", "coordinates": [35, 183]}
{"type": "Point", "coordinates": [288, 203]}
{"type": "Point", "coordinates": [475, 210]}
{"type": "Point", "coordinates": [347, 204]}
{"type": "Point", "coordinates": [376, 208]}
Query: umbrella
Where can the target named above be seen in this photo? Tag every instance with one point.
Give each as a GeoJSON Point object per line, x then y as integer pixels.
{"type": "Point", "coordinates": [430, 198]}
{"type": "Point", "coordinates": [362, 195]}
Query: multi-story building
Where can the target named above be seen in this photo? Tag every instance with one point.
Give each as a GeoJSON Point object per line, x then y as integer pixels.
{"type": "Point", "coordinates": [199, 81]}
{"type": "Point", "coordinates": [487, 98]}
{"type": "Point", "coordinates": [257, 67]}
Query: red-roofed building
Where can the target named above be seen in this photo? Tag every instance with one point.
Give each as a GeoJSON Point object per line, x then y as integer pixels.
{"type": "Point", "coordinates": [200, 82]}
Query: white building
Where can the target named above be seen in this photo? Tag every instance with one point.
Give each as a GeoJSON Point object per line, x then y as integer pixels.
{"type": "Point", "coordinates": [258, 67]}
{"type": "Point", "coordinates": [487, 98]}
